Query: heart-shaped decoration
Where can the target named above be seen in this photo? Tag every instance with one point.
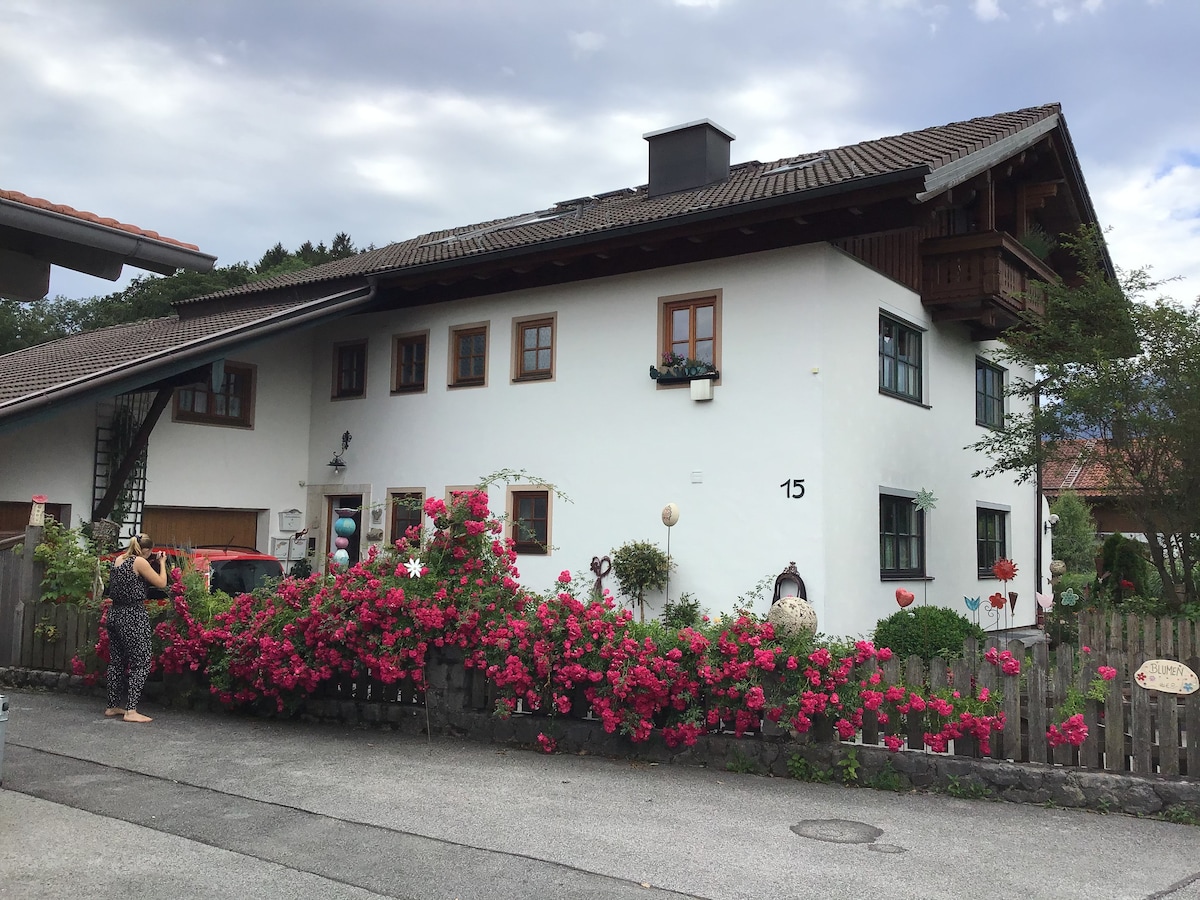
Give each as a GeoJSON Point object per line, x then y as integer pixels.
{"type": "Point", "coordinates": [904, 597]}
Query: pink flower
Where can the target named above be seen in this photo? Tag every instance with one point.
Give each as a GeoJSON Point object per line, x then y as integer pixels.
{"type": "Point", "coordinates": [1108, 673]}
{"type": "Point", "coordinates": [564, 577]}
{"type": "Point", "coordinates": [548, 744]}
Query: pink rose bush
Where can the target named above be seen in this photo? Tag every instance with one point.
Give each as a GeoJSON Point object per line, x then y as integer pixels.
{"type": "Point", "coordinates": [571, 651]}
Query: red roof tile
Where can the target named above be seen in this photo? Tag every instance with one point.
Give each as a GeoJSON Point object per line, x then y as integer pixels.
{"type": "Point", "coordinates": [39, 203]}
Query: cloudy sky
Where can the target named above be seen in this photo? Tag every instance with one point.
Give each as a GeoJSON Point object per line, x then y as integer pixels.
{"type": "Point", "coordinates": [234, 124]}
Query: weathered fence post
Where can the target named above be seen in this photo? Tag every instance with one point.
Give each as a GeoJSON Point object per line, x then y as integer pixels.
{"type": "Point", "coordinates": [19, 591]}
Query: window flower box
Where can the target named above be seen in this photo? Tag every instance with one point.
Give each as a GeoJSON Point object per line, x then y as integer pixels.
{"type": "Point", "coordinates": [677, 370]}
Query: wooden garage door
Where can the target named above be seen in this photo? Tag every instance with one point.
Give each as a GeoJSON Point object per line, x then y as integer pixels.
{"type": "Point", "coordinates": [190, 526]}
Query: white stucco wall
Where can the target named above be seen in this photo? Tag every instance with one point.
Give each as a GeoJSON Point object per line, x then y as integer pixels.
{"type": "Point", "coordinates": [53, 456]}
{"type": "Point", "coordinates": [798, 399]}
{"type": "Point", "coordinates": [620, 449]}
{"type": "Point", "coordinates": [262, 468]}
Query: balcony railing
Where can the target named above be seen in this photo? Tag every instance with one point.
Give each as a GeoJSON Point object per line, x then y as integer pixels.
{"type": "Point", "coordinates": [988, 279]}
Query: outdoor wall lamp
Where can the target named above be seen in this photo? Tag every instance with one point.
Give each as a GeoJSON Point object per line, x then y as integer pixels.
{"type": "Point", "coordinates": [789, 584]}
{"type": "Point", "coordinates": [337, 463]}
{"type": "Point", "coordinates": [1049, 523]}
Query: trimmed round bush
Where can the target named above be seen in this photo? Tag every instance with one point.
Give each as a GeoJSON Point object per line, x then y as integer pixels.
{"type": "Point", "coordinates": [926, 631]}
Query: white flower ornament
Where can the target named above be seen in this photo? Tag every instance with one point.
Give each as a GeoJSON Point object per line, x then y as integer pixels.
{"type": "Point", "coordinates": [414, 567]}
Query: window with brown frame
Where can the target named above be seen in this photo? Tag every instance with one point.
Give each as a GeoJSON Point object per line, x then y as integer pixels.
{"type": "Point", "coordinates": [530, 517]}
{"type": "Point", "coordinates": [350, 370]}
{"type": "Point", "coordinates": [534, 349]}
{"type": "Point", "coordinates": [407, 511]}
{"type": "Point", "coordinates": [469, 356]}
{"type": "Point", "coordinates": [690, 329]}
{"type": "Point", "coordinates": [232, 404]}
{"type": "Point", "coordinates": [408, 363]}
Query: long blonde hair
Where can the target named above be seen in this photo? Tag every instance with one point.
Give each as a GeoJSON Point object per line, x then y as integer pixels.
{"type": "Point", "coordinates": [137, 544]}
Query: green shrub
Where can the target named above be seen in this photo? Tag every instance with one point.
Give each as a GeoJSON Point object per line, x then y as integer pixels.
{"type": "Point", "coordinates": [1074, 539]}
{"type": "Point", "coordinates": [1125, 570]}
{"type": "Point", "coordinates": [682, 612]}
{"type": "Point", "coordinates": [926, 631]}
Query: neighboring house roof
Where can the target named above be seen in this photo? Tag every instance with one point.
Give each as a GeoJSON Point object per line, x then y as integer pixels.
{"type": "Point", "coordinates": [36, 233]}
{"type": "Point", "coordinates": [1075, 466]}
{"type": "Point", "coordinates": [572, 240]}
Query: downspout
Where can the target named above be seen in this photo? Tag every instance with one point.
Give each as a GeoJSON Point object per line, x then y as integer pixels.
{"type": "Point", "coordinates": [1037, 514]}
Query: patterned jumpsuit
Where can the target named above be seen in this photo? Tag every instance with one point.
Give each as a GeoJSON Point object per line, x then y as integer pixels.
{"type": "Point", "coordinates": [128, 637]}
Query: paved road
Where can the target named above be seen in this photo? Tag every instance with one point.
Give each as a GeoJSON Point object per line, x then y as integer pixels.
{"type": "Point", "coordinates": [210, 806]}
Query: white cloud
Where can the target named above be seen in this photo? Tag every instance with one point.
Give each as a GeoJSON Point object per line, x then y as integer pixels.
{"type": "Point", "coordinates": [584, 43]}
{"type": "Point", "coordinates": [709, 4]}
{"type": "Point", "coordinates": [1159, 216]}
{"type": "Point", "coordinates": [987, 10]}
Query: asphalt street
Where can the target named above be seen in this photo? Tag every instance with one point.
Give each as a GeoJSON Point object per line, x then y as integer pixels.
{"type": "Point", "coordinates": [199, 805]}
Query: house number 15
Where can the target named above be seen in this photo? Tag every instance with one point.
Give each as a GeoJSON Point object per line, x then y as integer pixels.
{"type": "Point", "coordinates": [794, 488]}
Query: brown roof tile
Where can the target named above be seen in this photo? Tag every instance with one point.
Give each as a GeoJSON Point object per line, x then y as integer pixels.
{"type": "Point", "coordinates": [747, 182]}
{"type": "Point", "coordinates": [80, 356]}
{"type": "Point", "coordinates": [52, 368]}
{"type": "Point", "coordinates": [39, 203]}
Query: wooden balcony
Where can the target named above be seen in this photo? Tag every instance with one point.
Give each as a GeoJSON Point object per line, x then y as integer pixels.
{"type": "Point", "coordinates": [986, 279]}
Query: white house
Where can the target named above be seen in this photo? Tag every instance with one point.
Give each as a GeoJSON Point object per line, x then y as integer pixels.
{"type": "Point", "coordinates": [844, 304]}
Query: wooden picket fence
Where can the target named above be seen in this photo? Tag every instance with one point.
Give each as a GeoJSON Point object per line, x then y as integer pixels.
{"type": "Point", "coordinates": [53, 633]}
{"type": "Point", "coordinates": [1131, 730]}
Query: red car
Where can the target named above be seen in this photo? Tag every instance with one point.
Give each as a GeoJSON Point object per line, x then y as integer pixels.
{"type": "Point", "coordinates": [234, 570]}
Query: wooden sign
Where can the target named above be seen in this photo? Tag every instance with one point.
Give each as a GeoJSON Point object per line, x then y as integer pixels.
{"type": "Point", "coordinates": [1166, 675]}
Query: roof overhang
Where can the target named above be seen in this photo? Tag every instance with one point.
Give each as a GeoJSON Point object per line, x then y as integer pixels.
{"type": "Point", "coordinates": [33, 239]}
{"type": "Point", "coordinates": [165, 365]}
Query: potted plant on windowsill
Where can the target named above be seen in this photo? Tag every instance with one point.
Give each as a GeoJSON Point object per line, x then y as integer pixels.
{"type": "Point", "coordinates": [677, 369]}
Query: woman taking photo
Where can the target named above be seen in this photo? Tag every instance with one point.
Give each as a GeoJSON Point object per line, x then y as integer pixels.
{"type": "Point", "coordinates": [129, 625]}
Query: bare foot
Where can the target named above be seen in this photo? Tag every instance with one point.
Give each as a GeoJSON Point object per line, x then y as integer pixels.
{"type": "Point", "coordinates": [133, 715]}
{"type": "Point", "coordinates": [115, 711]}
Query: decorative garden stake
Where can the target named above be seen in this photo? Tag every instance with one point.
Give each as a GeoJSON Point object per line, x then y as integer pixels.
{"type": "Point", "coordinates": [670, 515]}
{"type": "Point", "coordinates": [1069, 597]}
{"type": "Point", "coordinates": [413, 567]}
{"type": "Point", "coordinates": [1006, 571]}
{"type": "Point", "coordinates": [904, 597]}
{"type": "Point", "coordinates": [343, 526]}
{"type": "Point", "coordinates": [925, 502]}
{"type": "Point", "coordinates": [601, 566]}
{"type": "Point", "coordinates": [973, 606]}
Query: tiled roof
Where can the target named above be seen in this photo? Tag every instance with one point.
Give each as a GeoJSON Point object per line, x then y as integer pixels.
{"type": "Point", "coordinates": [39, 203]}
{"type": "Point", "coordinates": [748, 182]}
{"type": "Point", "coordinates": [1074, 467]}
{"type": "Point", "coordinates": [53, 366]}
{"type": "Point", "coordinates": [39, 374]}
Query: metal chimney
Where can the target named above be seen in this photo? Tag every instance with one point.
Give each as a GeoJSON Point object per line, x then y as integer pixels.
{"type": "Point", "coordinates": [688, 156]}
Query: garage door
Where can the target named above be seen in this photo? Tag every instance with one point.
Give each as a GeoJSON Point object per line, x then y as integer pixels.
{"type": "Point", "coordinates": [190, 526]}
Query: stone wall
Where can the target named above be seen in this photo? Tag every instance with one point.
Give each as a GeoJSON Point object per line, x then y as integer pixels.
{"type": "Point", "coordinates": [452, 710]}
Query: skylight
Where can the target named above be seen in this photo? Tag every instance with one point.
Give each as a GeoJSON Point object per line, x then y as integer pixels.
{"type": "Point", "coordinates": [801, 164]}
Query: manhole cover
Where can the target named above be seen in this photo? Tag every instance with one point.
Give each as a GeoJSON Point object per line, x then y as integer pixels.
{"type": "Point", "coordinates": [837, 831]}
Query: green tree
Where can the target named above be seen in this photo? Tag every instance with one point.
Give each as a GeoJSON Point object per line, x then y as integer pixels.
{"type": "Point", "coordinates": [1128, 374]}
{"type": "Point", "coordinates": [27, 324]}
{"type": "Point", "coordinates": [1074, 540]}
{"type": "Point", "coordinates": [640, 566]}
